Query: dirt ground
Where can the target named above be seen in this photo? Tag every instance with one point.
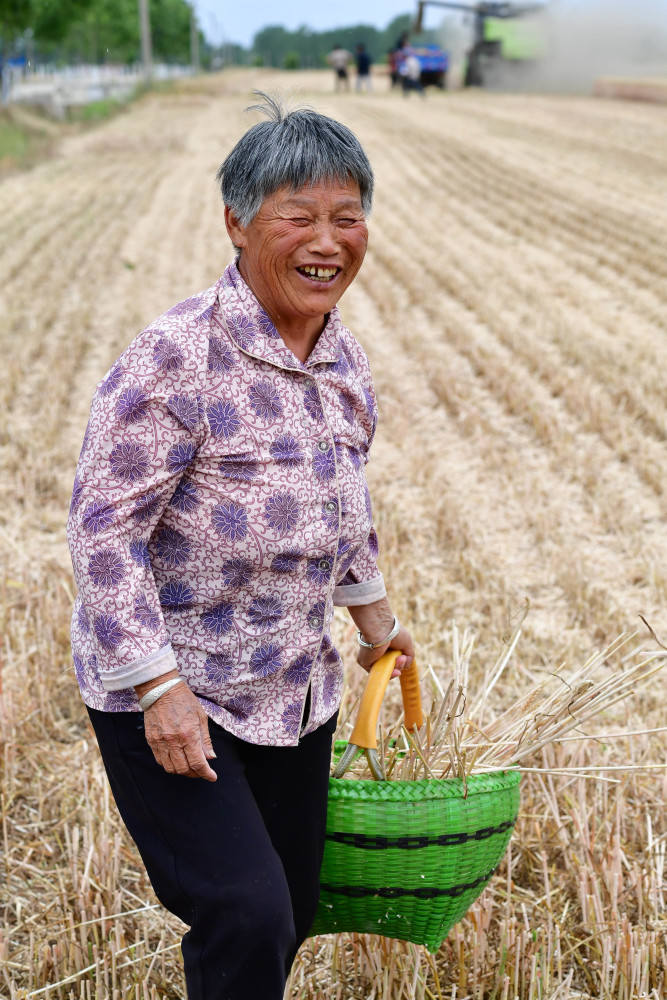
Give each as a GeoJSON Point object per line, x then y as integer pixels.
{"type": "Point", "coordinates": [513, 305]}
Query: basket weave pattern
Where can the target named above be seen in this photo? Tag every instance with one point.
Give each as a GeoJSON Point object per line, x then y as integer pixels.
{"type": "Point", "coordinates": [406, 859]}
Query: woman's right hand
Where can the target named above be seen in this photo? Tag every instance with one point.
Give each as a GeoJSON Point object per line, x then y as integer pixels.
{"type": "Point", "coordinates": [176, 728]}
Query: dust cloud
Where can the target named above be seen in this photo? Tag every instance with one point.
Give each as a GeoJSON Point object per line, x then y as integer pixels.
{"type": "Point", "coordinates": [576, 42]}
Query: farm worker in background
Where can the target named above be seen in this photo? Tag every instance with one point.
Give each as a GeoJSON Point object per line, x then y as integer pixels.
{"type": "Point", "coordinates": [411, 72]}
{"type": "Point", "coordinates": [340, 59]}
{"type": "Point", "coordinates": [363, 68]}
{"type": "Point", "coordinates": [220, 512]}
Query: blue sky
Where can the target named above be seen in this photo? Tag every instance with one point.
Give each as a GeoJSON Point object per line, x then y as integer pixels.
{"type": "Point", "coordinates": [240, 20]}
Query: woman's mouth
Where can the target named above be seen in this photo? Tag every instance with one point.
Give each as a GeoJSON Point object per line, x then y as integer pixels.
{"type": "Point", "coordinates": [316, 273]}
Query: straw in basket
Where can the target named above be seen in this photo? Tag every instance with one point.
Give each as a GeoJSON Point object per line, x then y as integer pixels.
{"type": "Point", "coordinates": [406, 859]}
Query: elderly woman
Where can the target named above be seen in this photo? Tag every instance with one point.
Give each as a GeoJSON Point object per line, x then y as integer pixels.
{"type": "Point", "coordinates": [219, 513]}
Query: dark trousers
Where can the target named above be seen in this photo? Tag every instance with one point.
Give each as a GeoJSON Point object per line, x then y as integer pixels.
{"type": "Point", "coordinates": [237, 859]}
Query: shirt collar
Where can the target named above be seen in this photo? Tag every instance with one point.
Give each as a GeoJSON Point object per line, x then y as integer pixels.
{"type": "Point", "coordinates": [253, 332]}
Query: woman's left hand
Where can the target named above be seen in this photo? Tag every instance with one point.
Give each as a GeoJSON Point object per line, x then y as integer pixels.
{"type": "Point", "coordinates": [375, 621]}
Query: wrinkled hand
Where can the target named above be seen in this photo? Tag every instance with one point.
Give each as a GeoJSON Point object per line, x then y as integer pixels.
{"type": "Point", "coordinates": [177, 732]}
{"type": "Point", "coordinates": [374, 621]}
{"type": "Point", "coordinates": [402, 640]}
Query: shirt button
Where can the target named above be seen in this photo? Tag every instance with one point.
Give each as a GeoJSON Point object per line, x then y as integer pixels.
{"type": "Point", "coordinates": [331, 506]}
{"type": "Point", "coordinates": [323, 445]}
{"type": "Point", "coordinates": [323, 565]}
{"type": "Point", "coordinates": [315, 621]}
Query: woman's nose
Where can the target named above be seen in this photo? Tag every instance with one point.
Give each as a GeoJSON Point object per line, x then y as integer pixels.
{"type": "Point", "coordinates": [324, 240]}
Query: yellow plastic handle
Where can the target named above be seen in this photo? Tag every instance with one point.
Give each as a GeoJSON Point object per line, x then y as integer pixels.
{"type": "Point", "coordinates": [364, 733]}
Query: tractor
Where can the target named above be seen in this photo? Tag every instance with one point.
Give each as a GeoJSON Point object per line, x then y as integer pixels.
{"type": "Point", "coordinates": [497, 43]}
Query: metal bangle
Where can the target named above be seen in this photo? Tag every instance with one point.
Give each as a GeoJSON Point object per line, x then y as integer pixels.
{"type": "Point", "coordinates": [152, 696]}
{"type": "Point", "coordinates": [375, 645]}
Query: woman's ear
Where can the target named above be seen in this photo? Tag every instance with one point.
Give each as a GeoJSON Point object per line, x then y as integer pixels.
{"type": "Point", "coordinates": [236, 231]}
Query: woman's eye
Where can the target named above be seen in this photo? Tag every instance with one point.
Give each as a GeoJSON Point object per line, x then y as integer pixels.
{"type": "Point", "coordinates": [301, 221]}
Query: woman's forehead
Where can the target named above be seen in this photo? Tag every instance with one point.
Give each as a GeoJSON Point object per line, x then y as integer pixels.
{"type": "Point", "coordinates": [312, 195]}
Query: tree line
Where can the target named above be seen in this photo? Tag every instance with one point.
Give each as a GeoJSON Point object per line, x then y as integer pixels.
{"type": "Point", "coordinates": [94, 31]}
{"type": "Point", "coordinates": [107, 31]}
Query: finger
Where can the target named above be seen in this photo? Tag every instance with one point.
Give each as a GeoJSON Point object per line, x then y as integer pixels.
{"type": "Point", "coordinates": [206, 742]}
{"type": "Point", "coordinates": [199, 766]}
{"type": "Point", "coordinates": [178, 760]}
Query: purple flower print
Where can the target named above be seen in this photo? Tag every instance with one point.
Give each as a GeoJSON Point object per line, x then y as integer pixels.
{"type": "Point", "coordinates": [108, 631]}
{"type": "Point", "coordinates": [219, 667]}
{"type": "Point", "coordinates": [330, 513]}
{"type": "Point", "coordinates": [220, 356]}
{"type": "Point", "coordinates": [332, 656]}
{"type": "Point", "coordinates": [172, 547]}
{"type": "Point", "coordinates": [237, 572]}
{"type": "Point", "coordinates": [370, 404]}
{"type": "Point", "coordinates": [185, 497]}
{"type": "Point", "coordinates": [180, 455]}
{"type": "Point", "coordinates": [345, 554]}
{"type": "Point", "coordinates": [266, 611]}
{"type": "Point", "coordinates": [267, 327]}
{"type": "Point", "coordinates": [167, 355]}
{"type": "Point", "coordinates": [373, 546]}
{"type": "Point", "coordinates": [282, 512]}
{"type": "Point", "coordinates": [299, 669]}
{"type": "Point", "coordinates": [187, 305]}
{"type": "Point", "coordinates": [230, 520]}
{"type": "Point", "coordinates": [186, 410]}
{"type": "Point", "coordinates": [241, 706]}
{"type": "Point", "coordinates": [291, 718]}
{"type": "Point", "coordinates": [106, 568]}
{"type": "Point", "coordinates": [330, 687]}
{"type": "Point", "coordinates": [132, 405]}
{"type": "Point", "coordinates": [129, 461]}
{"type": "Point", "coordinates": [324, 464]}
{"type": "Point", "coordinates": [223, 419]}
{"type": "Point", "coordinates": [77, 493]}
{"type": "Point", "coordinates": [97, 516]}
{"type": "Point", "coordinates": [243, 328]}
{"type": "Point", "coordinates": [315, 617]}
{"type": "Point", "coordinates": [79, 670]}
{"type": "Point", "coordinates": [312, 403]}
{"type": "Point", "coordinates": [120, 701]}
{"type": "Point", "coordinates": [146, 507]}
{"type": "Point", "coordinates": [319, 570]}
{"type": "Point", "coordinates": [264, 400]}
{"type": "Point", "coordinates": [139, 552]}
{"type": "Point", "coordinates": [112, 381]}
{"type": "Point", "coordinates": [342, 366]}
{"type": "Point", "coordinates": [242, 468]}
{"type": "Point", "coordinates": [367, 503]}
{"type": "Point", "coordinates": [82, 620]}
{"type": "Point", "coordinates": [218, 619]}
{"type": "Point", "coordinates": [348, 355]}
{"type": "Point", "coordinates": [286, 562]}
{"type": "Point", "coordinates": [347, 406]}
{"type": "Point", "coordinates": [266, 659]}
{"type": "Point", "coordinates": [355, 457]}
{"type": "Point", "coordinates": [285, 449]}
{"type": "Point", "coordinates": [176, 596]}
{"type": "Point", "coordinates": [145, 614]}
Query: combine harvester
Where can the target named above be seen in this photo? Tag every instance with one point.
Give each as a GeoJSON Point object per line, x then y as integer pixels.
{"type": "Point", "coordinates": [506, 40]}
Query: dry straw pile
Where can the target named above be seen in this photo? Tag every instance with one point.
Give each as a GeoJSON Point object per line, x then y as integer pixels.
{"type": "Point", "coordinates": [513, 306]}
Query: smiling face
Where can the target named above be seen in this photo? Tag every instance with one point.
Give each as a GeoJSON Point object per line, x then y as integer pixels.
{"type": "Point", "coordinates": [300, 253]}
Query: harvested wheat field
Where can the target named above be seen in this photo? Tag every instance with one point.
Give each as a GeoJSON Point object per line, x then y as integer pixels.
{"type": "Point", "coordinates": [514, 306]}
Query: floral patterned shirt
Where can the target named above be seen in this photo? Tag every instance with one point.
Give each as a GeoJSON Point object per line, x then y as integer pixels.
{"type": "Point", "coordinates": [220, 511]}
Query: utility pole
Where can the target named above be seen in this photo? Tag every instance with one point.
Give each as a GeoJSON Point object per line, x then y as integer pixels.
{"type": "Point", "coordinates": [146, 46]}
{"type": "Point", "coordinates": [194, 39]}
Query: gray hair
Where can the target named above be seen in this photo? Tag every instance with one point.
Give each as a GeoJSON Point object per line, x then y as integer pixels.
{"type": "Point", "coordinates": [291, 149]}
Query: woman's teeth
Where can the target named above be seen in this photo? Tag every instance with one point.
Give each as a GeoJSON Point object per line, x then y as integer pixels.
{"type": "Point", "coordinates": [319, 273]}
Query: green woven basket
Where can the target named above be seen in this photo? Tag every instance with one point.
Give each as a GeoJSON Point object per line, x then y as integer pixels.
{"type": "Point", "coordinates": [406, 859]}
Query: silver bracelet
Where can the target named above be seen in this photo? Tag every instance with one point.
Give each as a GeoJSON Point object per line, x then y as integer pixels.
{"type": "Point", "coordinates": [374, 645]}
{"type": "Point", "coordinates": [152, 696]}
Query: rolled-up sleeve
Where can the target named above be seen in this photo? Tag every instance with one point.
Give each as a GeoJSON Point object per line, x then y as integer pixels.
{"type": "Point", "coordinates": [144, 429]}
